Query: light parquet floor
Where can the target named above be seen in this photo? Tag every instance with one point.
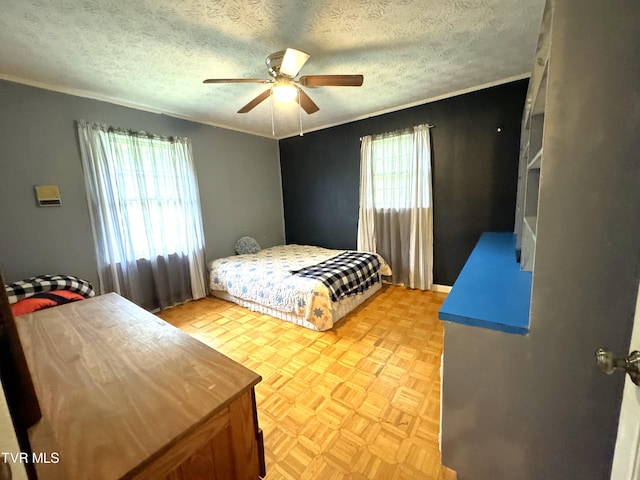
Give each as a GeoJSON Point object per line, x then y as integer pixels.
{"type": "Point", "coordinates": [361, 401]}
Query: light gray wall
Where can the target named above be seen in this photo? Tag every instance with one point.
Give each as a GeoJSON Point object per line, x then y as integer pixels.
{"type": "Point", "coordinates": [238, 177]}
{"type": "Point", "coordinates": [536, 407]}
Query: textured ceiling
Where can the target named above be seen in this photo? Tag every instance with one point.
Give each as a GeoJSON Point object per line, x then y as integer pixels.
{"type": "Point", "coordinates": [154, 54]}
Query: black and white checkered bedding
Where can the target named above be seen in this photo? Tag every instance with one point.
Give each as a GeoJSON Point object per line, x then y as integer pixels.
{"type": "Point", "coordinates": [44, 283]}
{"type": "Point", "coordinates": [346, 274]}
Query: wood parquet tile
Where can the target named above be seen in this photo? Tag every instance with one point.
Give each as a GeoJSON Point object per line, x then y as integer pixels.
{"type": "Point", "coordinates": [361, 401]}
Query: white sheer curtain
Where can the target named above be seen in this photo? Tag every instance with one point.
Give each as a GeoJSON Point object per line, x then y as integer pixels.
{"type": "Point", "coordinates": [145, 214]}
{"type": "Point", "coordinates": [395, 216]}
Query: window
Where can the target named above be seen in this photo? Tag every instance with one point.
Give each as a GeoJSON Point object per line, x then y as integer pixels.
{"type": "Point", "coordinates": [392, 165]}
{"type": "Point", "coordinates": [145, 214]}
{"type": "Point", "coordinates": [151, 197]}
{"type": "Point", "coordinates": [395, 218]}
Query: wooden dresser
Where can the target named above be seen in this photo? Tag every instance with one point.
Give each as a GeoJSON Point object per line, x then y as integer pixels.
{"type": "Point", "coordinates": [125, 395]}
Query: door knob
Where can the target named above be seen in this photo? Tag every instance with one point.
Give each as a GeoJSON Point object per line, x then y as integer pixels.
{"type": "Point", "coordinates": [608, 363]}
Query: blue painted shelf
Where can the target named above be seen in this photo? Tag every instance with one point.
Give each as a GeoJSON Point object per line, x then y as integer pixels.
{"type": "Point", "coordinates": [491, 290]}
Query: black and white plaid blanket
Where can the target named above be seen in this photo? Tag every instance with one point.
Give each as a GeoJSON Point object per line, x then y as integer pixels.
{"type": "Point", "coordinates": [346, 274]}
{"type": "Point", "coordinates": [44, 283]}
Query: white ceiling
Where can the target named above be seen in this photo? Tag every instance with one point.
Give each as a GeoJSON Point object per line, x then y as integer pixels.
{"type": "Point", "coordinates": [154, 54]}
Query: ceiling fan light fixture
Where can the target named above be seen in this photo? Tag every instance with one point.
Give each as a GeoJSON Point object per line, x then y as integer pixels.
{"type": "Point", "coordinates": [285, 92]}
{"type": "Point", "coordinates": [284, 67]}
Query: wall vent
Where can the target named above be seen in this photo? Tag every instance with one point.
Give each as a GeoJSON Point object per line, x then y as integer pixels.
{"type": "Point", "coordinates": [48, 196]}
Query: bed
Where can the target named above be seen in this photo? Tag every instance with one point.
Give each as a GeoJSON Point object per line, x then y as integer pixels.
{"type": "Point", "coordinates": [310, 286]}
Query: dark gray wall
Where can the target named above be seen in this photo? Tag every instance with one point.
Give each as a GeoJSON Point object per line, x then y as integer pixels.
{"type": "Point", "coordinates": [536, 407]}
{"type": "Point", "coordinates": [238, 177]}
{"type": "Point", "coordinates": [474, 174]}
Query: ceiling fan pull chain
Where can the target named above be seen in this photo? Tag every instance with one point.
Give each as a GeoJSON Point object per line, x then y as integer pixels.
{"type": "Point", "coordinates": [300, 111]}
{"type": "Point", "coordinates": [273, 128]}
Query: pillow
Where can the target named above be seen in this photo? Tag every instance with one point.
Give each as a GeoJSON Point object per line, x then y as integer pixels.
{"type": "Point", "coordinates": [44, 300]}
{"type": "Point", "coordinates": [247, 245]}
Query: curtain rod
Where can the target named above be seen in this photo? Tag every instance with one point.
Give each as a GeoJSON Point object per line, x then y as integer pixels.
{"type": "Point", "coordinates": [134, 133]}
{"type": "Point", "coordinates": [428, 125]}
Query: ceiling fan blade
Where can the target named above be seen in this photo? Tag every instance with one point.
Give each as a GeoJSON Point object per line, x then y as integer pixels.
{"type": "Point", "coordinates": [235, 80]}
{"type": "Point", "coordinates": [254, 103]}
{"type": "Point", "coordinates": [306, 103]}
{"type": "Point", "coordinates": [293, 61]}
{"type": "Point", "coordinates": [332, 80]}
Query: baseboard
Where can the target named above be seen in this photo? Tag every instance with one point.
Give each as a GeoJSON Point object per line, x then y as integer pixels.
{"type": "Point", "coordinates": [434, 287]}
{"type": "Point", "coordinates": [440, 288]}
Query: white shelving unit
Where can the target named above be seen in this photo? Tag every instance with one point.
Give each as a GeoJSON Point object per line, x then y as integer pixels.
{"type": "Point", "coordinates": [531, 150]}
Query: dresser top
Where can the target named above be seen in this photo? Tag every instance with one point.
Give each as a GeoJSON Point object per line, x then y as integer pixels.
{"type": "Point", "coordinates": [117, 385]}
{"type": "Point", "coordinates": [491, 290]}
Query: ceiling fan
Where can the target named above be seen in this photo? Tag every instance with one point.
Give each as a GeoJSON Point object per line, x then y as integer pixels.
{"type": "Point", "coordinates": [283, 68]}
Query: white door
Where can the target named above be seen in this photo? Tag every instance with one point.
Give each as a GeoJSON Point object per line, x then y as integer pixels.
{"type": "Point", "coordinates": [626, 460]}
